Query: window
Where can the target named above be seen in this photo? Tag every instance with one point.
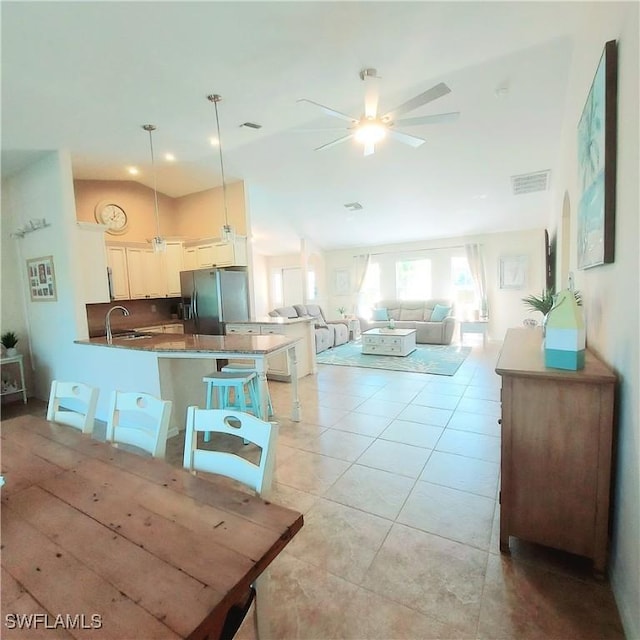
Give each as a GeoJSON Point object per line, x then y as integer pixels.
{"type": "Point", "coordinates": [370, 291]}
{"type": "Point", "coordinates": [276, 287]}
{"type": "Point", "coordinates": [463, 289]}
{"type": "Point", "coordinates": [312, 292]}
{"type": "Point", "coordinates": [413, 279]}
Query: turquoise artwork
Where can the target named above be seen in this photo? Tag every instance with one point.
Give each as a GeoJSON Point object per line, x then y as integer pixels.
{"type": "Point", "coordinates": [596, 138]}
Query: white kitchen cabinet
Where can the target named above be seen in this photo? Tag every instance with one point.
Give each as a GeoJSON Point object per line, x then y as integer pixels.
{"type": "Point", "coordinates": [117, 261]}
{"type": "Point", "coordinates": [146, 273]}
{"type": "Point", "coordinates": [216, 253]}
{"type": "Point", "coordinates": [298, 328]}
{"type": "Point", "coordinates": [174, 264]}
{"type": "Point", "coordinates": [92, 261]}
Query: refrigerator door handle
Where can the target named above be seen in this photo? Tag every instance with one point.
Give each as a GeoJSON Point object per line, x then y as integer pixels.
{"type": "Point", "coordinates": [194, 304]}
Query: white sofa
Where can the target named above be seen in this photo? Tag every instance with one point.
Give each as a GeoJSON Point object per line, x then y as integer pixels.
{"type": "Point", "coordinates": [416, 314]}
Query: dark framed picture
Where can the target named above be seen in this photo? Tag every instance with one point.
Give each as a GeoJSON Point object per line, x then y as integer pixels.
{"type": "Point", "coordinates": [42, 279]}
{"type": "Point", "coordinates": [597, 132]}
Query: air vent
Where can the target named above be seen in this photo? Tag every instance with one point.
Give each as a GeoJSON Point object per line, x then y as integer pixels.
{"type": "Point", "coordinates": [353, 206]}
{"type": "Point", "coordinates": [530, 182]}
{"type": "Point", "coordinates": [251, 125]}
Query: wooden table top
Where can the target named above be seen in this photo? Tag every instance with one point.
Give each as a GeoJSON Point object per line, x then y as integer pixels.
{"type": "Point", "coordinates": [149, 549]}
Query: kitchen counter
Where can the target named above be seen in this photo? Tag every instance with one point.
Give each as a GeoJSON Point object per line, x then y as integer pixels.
{"type": "Point", "coordinates": [171, 366]}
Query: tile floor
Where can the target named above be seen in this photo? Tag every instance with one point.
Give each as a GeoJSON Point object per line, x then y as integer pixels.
{"type": "Point", "coordinates": [397, 475]}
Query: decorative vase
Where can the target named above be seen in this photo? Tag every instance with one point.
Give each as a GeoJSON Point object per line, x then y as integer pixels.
{"type": "Point", "coordinates": [12, 351]}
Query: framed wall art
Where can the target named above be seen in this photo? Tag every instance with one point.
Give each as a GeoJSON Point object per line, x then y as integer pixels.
{"type": "Point", "coordinates": [343, 282]}
{"type": "Point", "coordinates": [597, 165]}
{"type": "Point", "coordinates": [513, 272]}
{"type": "Point", "coordinates": [42, 279]}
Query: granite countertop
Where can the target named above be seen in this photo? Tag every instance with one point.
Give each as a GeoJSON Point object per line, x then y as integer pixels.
{"type": "Point", "coordinates": [185, 343]}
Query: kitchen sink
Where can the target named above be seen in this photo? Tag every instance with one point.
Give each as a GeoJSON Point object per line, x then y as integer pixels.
{"type": "Point", "coordinates": [136, 335]}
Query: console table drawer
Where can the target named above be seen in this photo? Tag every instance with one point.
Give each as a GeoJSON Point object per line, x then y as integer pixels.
{"type": "Point", "coordinates": [382, 349]}
{"type": "Point", "coordinates": [382, 341]}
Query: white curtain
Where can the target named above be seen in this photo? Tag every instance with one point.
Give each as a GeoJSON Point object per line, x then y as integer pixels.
{"type": "Point", "coordinates": [476, 266]}
{"type": "Point", "coordinates": [361, 265]}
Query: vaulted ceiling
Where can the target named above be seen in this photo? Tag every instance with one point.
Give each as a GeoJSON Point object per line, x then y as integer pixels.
{"type": "Point", "coordinates": [84, 76]}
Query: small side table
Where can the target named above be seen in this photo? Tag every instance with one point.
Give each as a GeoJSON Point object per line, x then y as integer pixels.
{"type": "Point", "coordinates": [474, 326]}
{"type": "Point", "coordinates": [354, 328]}
{"type": "Point", "coordinates": [10, 389]}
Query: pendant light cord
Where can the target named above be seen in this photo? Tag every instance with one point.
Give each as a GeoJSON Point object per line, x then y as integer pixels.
{"type": "Point", "coordinates": [215, 98]}
{"type": "Point", "coordinates": [149, 128]}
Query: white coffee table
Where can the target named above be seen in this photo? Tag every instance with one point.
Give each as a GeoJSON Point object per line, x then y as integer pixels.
{"type": "Point", "coordinates": [389, 342]}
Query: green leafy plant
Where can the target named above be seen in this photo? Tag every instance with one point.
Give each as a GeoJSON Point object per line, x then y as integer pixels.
{"type": "Point", "coordinates": [544, 302]}
{"type": "Point", "coordinates": [9, 340]}
{"type": "Point", "coordinates": [342, 310]}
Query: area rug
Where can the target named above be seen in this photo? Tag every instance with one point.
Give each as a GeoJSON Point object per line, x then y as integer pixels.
{"type": "Point", "coordinates": [439, 359]}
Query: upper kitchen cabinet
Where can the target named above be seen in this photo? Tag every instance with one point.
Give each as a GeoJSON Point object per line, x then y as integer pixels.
{"type": "Point", "coordinates": [173, 264]}
{"type": "Point", "coordinates": [146, 273]}
{"type": "Point", "coordinates": [119, 273]}
{"type": "Point", "coordinates": [215, 253]}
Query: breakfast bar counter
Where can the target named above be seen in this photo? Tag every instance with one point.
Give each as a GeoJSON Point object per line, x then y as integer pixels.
{"type": "Point", "coordinates": [181, 361]}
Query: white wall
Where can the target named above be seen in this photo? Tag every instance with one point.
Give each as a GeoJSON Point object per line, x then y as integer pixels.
{"type": "Point", "coordinates": [45, 190]}
{"type": "Point", "coordinates": [505, 305]}
{"type": "Point", "coordinates": [611, 292]}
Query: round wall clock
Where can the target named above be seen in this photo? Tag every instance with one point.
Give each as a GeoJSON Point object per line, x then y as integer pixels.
{"type": "Point", "coordinates": [111, 215]}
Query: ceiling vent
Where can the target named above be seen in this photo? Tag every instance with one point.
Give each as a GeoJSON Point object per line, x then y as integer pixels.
{"type": "Point", "coordinates": [353, 206]}
{"type": "Point", "coordinates": [251, 125]}
{"type": "Point", "coordinates": [530, 182]}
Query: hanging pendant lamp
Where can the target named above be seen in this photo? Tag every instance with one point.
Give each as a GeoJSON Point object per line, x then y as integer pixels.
{"type": "Point", "coordinates": [158, 242]}
{"type": "Point", "coordinates": [228, 233]}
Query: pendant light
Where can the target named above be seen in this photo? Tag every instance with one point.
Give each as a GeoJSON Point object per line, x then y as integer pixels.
{"type": "Point", "coordinates": [158, 242]}
{"type": "Point", "coordinates": [227, 230]}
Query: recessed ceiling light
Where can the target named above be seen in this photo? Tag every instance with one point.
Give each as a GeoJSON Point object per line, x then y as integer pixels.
{"type": "Point", "coordinates": [134, 171]}
{"type": "Point", "coordinates": [169, 157]}
{"type": "Point", "coordinates": [214, 142]}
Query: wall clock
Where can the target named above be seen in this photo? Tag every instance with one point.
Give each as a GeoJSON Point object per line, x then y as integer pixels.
{"type": "Point", "coordinates": [111, 215]}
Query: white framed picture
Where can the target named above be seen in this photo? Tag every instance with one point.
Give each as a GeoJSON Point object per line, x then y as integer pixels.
{"type": "Point", "coordinates": [343, 282]}
{"type": "Point", "coordinates": [513, 272]}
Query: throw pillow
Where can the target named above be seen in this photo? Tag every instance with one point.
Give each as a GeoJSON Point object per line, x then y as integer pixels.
{"type": "Point", "coordinates": [440, 312]}
{"type": "Point", "coordinates": [380, 315]}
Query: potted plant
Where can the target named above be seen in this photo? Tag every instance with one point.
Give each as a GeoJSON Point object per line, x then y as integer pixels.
{"type": "Point", "coordinates": [342, 311]}
{"type": "Point", "coordinates": [9, 341]}
{"type": "Point", "coordinates": [545, 301]}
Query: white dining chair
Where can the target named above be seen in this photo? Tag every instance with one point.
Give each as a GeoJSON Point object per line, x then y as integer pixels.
{"type": "Point", "coordinates": [256, 476]}
{"type": "Point", "coordinates": [139, 419]}
{"type": "Point", "coordinates": [73, 404]}
{"type": "Point", "coordinates": [243, 425]}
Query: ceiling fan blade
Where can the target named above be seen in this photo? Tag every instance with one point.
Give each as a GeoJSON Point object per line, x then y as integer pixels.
{"type": "Point", "coordinates": [319, 130]}
{"type": "Point", "coordinates": [434, 119]}
{"type": "Point", "coordinates": [331, 144]}
{"type": "Point", "coordinates": [369, 149]}
{"type": "Point", "coordinates": [330, 112]}
{"type": "Point", "coordinates": [429, 95]}
{"type": "Point", "coordinates": [413, 141]}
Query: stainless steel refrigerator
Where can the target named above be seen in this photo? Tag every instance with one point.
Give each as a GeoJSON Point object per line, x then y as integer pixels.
{"type": "Point", "coordinates": [213, 297]}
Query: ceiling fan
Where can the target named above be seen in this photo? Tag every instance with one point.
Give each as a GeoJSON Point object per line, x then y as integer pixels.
{"type": "Point", "coordinates": [372, 128]}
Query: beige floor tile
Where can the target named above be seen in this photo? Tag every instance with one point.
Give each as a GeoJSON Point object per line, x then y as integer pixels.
{"type": "Point", "coordinates": [473, 445]}
{"type": "Point", "coordinates": [425, 415]}
{"type": "Point", "coordinates": [322, 416]}
{"type": "Point", "coordinates": [483, 407]}
{"type": "Point", "coordinates": [339, 539]}
{"type": "Point", "coordinates": [395, 394]}
{"type": "Point", "coordinates": [395, 457]}
{"type": "Point", "coordinates": [460, 472]}
{"type": "Point", "coordinates": [482, 393]}
{"type": "Point", "coordinates": [435, 399]}
{"type": "Point", "coordinates": [484, 424]}
{"type": "Point", "coordinates": [438, 577]}
{"type": "Point", "coordinates": [446, 388]}
{"type": "Point", "coordinates": [414, 433]}
{"type": "Point", "coordinates": [294, 434]}
{"type": "Point", "coordinates": [338, 400]}
{"type": "Point", "coordinates": [378, 492]}
{"type": "Point", "coordinates": [523, 601]}
{"type": "Point", "coordinates": [310, 472]}
{"type": "Point", "coordinates": [339, 444]}
{"type": "Point", "coordinates": [381, 408]}
{"type": "Point", "coordinates": [453, 514]}
{"type": "Point", "coordinates": [363, 424]}
{"type": "Point", "coordinates": [292, 498]}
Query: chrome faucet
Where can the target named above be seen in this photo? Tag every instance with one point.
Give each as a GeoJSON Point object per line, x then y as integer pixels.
{"type": "Point", "coordinates": [107, 320]}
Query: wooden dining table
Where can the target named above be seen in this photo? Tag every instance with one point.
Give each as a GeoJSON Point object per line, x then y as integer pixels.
{"type": "Point", "coordinates": [98, 542]}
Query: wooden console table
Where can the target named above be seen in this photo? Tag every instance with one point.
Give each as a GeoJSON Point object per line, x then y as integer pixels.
{"type": "Point", "coordinates": [557, 429]}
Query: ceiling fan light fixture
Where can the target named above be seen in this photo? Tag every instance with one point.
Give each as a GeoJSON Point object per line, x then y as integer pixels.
{"type": "Point", "coordinates": [370, 132]}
